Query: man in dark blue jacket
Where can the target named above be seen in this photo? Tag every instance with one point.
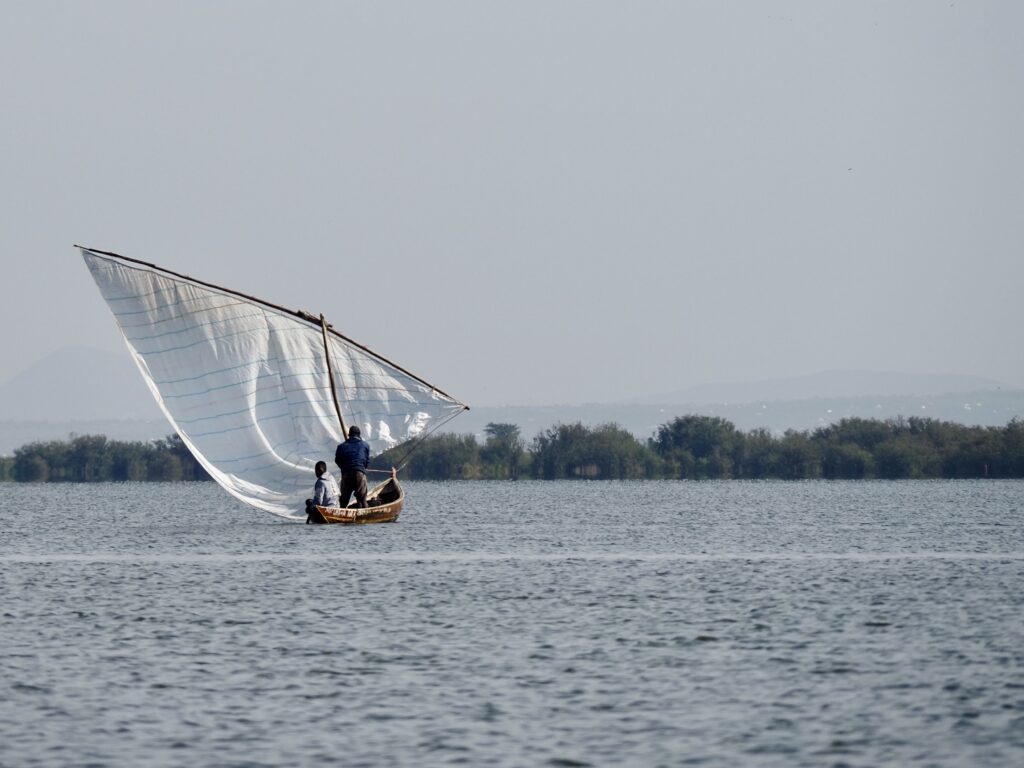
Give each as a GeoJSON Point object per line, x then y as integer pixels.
{"type": "Point", "coordinates": [352, 458]}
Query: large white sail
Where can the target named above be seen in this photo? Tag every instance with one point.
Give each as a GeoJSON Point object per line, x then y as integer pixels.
{"type": "Point", "coordinates": [246, 384]}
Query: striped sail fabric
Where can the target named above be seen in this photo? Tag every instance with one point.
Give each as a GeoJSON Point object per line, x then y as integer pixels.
{"type": "Point", "coordinates": [246, 385]}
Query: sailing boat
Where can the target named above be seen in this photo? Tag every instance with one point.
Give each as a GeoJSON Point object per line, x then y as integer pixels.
{"type": "Point", "coordinates": [259, 393]}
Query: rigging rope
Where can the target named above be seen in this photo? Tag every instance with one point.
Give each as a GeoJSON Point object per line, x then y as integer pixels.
{"type": "Point", "coordinates": [419, 440]}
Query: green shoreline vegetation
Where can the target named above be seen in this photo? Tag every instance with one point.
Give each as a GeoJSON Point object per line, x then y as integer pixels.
{"type": "Point", "coordinates": [95, 459]}
{"type": "Point", "coordinates": [688, 447]}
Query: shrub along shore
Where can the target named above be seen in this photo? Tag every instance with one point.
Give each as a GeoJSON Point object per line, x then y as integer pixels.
{"type": "Point", "coordinates": [688, 447]}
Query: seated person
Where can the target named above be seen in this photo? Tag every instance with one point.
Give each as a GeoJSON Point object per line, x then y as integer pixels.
{"type": "Point", "coordinates": [325, 491]}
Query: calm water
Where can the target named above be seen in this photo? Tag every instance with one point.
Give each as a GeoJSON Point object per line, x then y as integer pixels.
{"type": "Point", "coordinates": [524, 624]}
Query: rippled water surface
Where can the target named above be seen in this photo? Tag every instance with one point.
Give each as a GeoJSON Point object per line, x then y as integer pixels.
{"type": "Point", "coordinates": [517, 624]}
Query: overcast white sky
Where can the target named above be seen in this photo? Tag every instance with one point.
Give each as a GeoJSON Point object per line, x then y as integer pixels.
{"type": "Point", "coordinates": [532, 203]}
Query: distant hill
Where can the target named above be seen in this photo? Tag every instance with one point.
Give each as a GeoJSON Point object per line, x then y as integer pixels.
{"type": "Point", "coordinates": [826, 385]}
{"type": "Point", "coordinates": [984, 408]}
{"type": "Point", "coordinates": [993, 409]}
{"type": "Point", "coordinates": [82, 391]}
{"type": "Point", "coordinates": [87, 391]}
{"type": "Point", "coordinates": [78, 384]}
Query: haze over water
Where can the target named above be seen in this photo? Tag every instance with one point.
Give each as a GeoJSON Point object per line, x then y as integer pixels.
{"type": "Point", "coordinates": [510, 624]}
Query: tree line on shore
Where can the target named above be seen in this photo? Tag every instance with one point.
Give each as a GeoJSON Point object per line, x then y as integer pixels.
{"type": "Point", "coordinates": [94, 458]}
{"type": "Point", "coordinates": [688, 447]}
{"type": "Point", "coordinates": [710, 447]}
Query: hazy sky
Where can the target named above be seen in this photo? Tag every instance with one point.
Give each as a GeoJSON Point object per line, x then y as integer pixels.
{"type": "Point", "coordinates": [529, 203]}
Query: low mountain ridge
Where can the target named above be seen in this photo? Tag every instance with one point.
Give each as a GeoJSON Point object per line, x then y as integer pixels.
{"type": "Point", "coordinates": [88, 391]}
{"type": "Point", "coordinates": [78, 384]}
{"type": "Point", "coordinates": [825, 385]}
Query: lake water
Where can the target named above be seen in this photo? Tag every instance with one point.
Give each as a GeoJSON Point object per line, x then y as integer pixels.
{"type": "Point", "coordinates": [517, 624]}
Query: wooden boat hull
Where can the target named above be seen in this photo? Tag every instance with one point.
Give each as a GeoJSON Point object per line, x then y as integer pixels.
{"type": "Point", "coordinates": [384, 503]}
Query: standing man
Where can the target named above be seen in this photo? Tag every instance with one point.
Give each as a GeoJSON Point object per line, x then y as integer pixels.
{"type": "Point", "coordinates": [325, 492]}
{"type": "Point", "coordinates": [352, 458]}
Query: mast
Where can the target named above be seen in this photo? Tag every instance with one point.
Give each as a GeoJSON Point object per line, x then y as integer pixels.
{"type": "Point", "coordinates": [330, 375]}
